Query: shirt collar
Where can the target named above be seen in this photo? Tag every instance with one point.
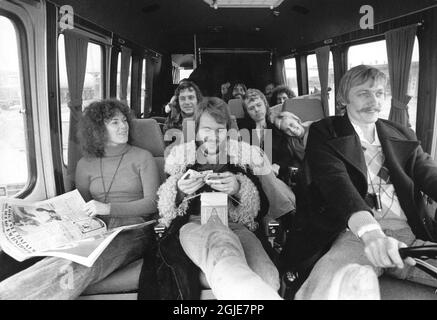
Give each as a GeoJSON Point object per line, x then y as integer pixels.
{"type": "Point", "coordinates": [360, 134]}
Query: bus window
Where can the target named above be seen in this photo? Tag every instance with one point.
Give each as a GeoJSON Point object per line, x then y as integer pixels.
{"type": "Point", "coordinates": [143, 86]}
{"type": "Point", "coordinates": [314, 81]}
{"type": "Point", "coordinates": [313, 74]}
{"type": "Point", "coordinates": [14, 148]}
{"type": "Point", "coordinates": [185, 73]}
{"type": "Point", "coordinates": [92, 88]}
{"type": "Point", "coordinates": [413, 85]}
{"type": "Point", "coordinates": [291, 74]}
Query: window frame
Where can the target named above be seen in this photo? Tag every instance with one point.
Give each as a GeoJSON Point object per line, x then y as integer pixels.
{"type": "Point", "coordinates": [26, 95]}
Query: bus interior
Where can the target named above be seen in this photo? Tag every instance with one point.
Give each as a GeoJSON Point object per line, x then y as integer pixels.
{"type": "Point", "coordinates": [139, 50]}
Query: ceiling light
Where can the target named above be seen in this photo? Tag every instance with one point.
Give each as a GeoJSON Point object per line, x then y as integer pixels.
{"type": "Point", "coordinates": [244, 3]}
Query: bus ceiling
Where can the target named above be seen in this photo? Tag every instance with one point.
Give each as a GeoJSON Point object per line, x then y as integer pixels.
{"type": "Point", "coordinates": [169, 25]}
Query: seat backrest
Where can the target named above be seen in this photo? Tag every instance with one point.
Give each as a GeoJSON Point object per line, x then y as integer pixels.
{"type": "Point", "coordinates": [146, 134]}
{"type": "Point", "coordinates": [275, 111]}
{"type": "Point", "coordinates": [236, 108]}
{"type": "Point", "coordinates": [159, 119]}
{"type": "Point", "coordinates": [305, 109]}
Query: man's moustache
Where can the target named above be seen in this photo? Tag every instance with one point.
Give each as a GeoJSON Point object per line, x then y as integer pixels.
{"type": "Point", "coordinates": [370, 109]}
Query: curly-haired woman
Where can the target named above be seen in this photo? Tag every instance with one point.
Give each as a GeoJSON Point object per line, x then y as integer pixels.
{"type": "Point", "coordinates": [232, 258]}
{"type": "Point", "coordinates": [119, 183]}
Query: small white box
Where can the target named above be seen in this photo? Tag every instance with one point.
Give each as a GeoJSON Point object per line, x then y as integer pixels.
{"type": "Point", "coordinates": [214, 203]}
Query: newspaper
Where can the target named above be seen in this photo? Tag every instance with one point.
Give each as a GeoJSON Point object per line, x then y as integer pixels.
{"type": "Point", "coordinates": [55, 227]}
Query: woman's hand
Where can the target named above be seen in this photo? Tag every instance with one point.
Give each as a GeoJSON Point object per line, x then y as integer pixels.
{"type": "Point", "coordinates": [225, 182]}
{"type": "Point", "coordinates": [94, 208]}
{"type": "Point", "coordinates": [190, 185]}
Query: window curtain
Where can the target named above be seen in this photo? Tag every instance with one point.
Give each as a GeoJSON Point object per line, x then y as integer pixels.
{"type": "Point", "coordinates": [279, 66]}
{"type": "Point", "coordinates": [175, 74]}
{"type": "Point", "coordinates": [322, 55]}
{"type": "Point", "coordinates": [400, 44]}
{"type": "Point", "coordinates": [126, 54]}
{"type": "Point", "coordinates": [76, 48]}
{"type": "Point", "coordinates": [149, 86]}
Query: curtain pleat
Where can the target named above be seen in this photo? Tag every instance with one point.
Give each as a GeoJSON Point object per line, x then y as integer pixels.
{"type": "Point", "coordinates": [400, 44]}
{"type": "Point", "coordinates": [322, 55]}
{"type": "Point", "coordinates": [76, 47]}
{"type": "Point", "coordinates": [126, 54]}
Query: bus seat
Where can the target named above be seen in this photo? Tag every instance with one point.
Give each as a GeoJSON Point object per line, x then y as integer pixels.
{"type": "Point", "coordinates": [395, 289]}
{"type": "Point", "coordinates": [146, 134]}
{"type": "Point", "coordinates": [124, 280]}
{"type": "Point", "coordinates": [161, 122]}
{"type": "Point", "coordinates": [275, 111]}
{"type": "Point", "coordinates": [234, 123]}
{"type": "Point", "coordinates": [305, 109]}
{"type": "Point", "coordinates": [236, 108]}
{"type": "Point", "coordinates": [122, 296]}
{"type": "Point", "coordinates": [158, 119]}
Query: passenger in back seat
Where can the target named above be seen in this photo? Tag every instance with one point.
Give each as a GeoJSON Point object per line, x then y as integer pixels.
{"type": "Point", "coordinates": [232, 258]}
{"type": "Point", "coordinates": [187, 96]}
{"type": "Point", "coordinates": [238, 90]}
{"type": "Point", "coordinates": [119, 183]}
{"type": "Point", "coordinates": [280, 94]}
{"type": "Point", "coordinates": [287, 150]}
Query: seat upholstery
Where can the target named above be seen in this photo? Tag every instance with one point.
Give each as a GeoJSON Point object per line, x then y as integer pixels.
{"type": "Point", "coordinates": [236, 108]}
{"type": "Point", "coordinates": [275, 111]}
{"type": "Point", "coordinates": [145, 134]}
{"type": "Point", "coordinates": [394, 289]}
{"type": "Point", "coordinates": [305, 109]}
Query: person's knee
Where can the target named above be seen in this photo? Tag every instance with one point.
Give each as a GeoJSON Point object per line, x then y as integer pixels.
{"type": "Point", "coordinates": [187, 230]}
{"type": "Point", "coordinates": [271, 276]}
{"type": "Point", "coordinates": [222, 243]}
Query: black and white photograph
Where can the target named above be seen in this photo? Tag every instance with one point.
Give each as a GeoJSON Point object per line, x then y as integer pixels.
{"type": "Point", "coordinates": [218, 155]}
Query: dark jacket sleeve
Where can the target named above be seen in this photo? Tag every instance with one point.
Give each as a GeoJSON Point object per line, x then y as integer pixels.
{"type": "Point", "coordinates": [425, 168]}
{"type": "Point", "coordinates": [331, 187]}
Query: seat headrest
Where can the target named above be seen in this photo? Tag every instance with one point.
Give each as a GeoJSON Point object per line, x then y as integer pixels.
{"type": "Point", "coordinates": [146, 134]}
{"type": "Point", "coordinates": [305, 109]}
{"type": "Point", "coordinates": [236, 108]}
{"type": "Point", "coordinates": [275, 111]}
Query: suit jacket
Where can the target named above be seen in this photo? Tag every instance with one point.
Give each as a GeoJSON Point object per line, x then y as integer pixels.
{"type": "Point", "coordinates": [336, 183]}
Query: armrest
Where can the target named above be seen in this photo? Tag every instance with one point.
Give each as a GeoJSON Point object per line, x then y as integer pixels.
{"type": "Point", "coordinates": [277, 230]}
{"type": "Point", "coordinates": [159, 230]}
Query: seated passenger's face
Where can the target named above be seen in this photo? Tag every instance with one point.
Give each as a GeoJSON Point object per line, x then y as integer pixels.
{"type": "Point", "coordinates": [117, 130]}
{"type": "Point", "coordinates": [365, 102]}
{"type": "Point", "coordinates": [238, 92]}
{"type": "Point", "coordinates": [292, 127]}
{"type": "Point", "coordinates": [280, 98]}
{"type": "Point", "coordinates": [268, 89]}
{"type": "Point", "coordinates": [211, 134]}
{"type": "Point", "coordinates": [188, 101]}
{"type": "Point", "coordinates": [256, 109]}
{"type": "Point", "coordinates": [225, 88]}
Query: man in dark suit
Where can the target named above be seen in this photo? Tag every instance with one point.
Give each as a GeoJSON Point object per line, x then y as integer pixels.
{"type": "Point", "coordinates": [363, 203]}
